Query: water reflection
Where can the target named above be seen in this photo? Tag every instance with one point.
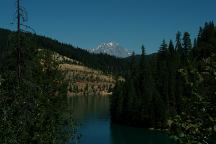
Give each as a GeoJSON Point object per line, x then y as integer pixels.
{"type": "Point", "coordinates": [130, 135]}
{"type": "Point", "coordinates": [92, 112]}
{"type": "Point", "coordinates": [89, 107]}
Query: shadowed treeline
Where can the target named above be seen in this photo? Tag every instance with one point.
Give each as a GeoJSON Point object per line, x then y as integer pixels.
{"type": "Point", "coordinates": [175, 90]}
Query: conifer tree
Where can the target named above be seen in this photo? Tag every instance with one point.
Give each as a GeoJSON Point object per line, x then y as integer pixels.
{"type": "Point", "coordinates": [163, 76]}
{"type": "Point", "coordinates": [171, 48]}
{"type": "Point", "coordinates": [195, 44]}
{"type": "Point", "coordinates": [187, 45]}
{"type": "Point", "coordinates": [142, 71]}
{"type": "Point", "coordinates": [133, 65]}
{"type": "Point", "coordinates": [144, 88]}
{"type": "Point", "coordinates": [142, 61]}
{"type": "Point", "coordinates": [178, 46]}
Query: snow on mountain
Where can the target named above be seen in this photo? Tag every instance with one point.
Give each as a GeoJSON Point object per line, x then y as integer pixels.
{"type": "Point", "coordinates": [111, 48]}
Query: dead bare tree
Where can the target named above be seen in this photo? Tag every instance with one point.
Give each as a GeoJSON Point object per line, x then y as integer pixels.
{"type": "Point", "coordinates": [18, 43]}
{"type": "Point", "coordinates": [21, 16]}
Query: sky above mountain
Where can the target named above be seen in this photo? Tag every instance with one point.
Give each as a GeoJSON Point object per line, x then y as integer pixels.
{"type": "Point", "coordinates": [87, 23]}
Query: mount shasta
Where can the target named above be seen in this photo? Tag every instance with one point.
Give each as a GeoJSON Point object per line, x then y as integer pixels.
{"type": "Point", "coordinates": [111, 48]}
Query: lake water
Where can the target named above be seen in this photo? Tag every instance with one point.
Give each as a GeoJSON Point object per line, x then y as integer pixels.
{"type": "Point", "coordinates": [92, 112]}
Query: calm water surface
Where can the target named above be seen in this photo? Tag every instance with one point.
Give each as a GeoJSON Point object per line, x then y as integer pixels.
{"type": "Point", "coordinates": [92, 113]}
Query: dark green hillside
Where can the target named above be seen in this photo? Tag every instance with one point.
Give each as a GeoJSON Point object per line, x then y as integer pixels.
{"type": "Point", "coordinates": [106, 63]}
{"type": "Point", "coordinates": [33, 104]}
{"type": "Point", "coordinates": [175, 88]}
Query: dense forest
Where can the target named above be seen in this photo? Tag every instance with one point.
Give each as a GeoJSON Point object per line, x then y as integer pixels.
{"type": "Point", "coordinates": [175, 90]}
{"type": "Point", "coordinates": [33, 106]}
{"type": "Point", "coordinates": [106, 63]}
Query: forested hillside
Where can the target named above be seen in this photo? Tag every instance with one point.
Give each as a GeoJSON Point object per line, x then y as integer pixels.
{"type": "Point", "coordinates": [172, 89]}
{"type": "Point", "coordinates": [175, 90]}
{"type": "Point", "coordinates": [53, 92]}
{"type": "Point", "coordinates": [33, 104]}
{"type": "Point", "coordinates": [37, 103]}
{"type": "Point", "coordinates": [106, 63]}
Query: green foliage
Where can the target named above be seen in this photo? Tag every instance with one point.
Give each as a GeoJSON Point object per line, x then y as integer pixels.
{"type": "Point", "coordinates": [187, 45]}
{"type": "Point", "coordinates": [178, 46]}
{"type": "Point", "coordinates": [206, 41]}
{"type": "Point", "coordinates": [103, 62]}
{"type": "Point", "coordinates": [196, 123]}
{"type": "Point", "coordinates": [175, 89]}
{"type": "Point", "coordinates": [135, 101]}
{"type": "Point", "coordinates": [32, 112]}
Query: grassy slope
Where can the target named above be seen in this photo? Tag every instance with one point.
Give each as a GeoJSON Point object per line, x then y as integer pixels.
{"type": "Point", "coordinates": [84, 80]}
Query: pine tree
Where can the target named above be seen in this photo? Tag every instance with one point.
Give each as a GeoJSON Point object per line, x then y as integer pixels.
{"type": "Point", "coordinates": [163, 75]}
{"type": "Point", "coordinates": [117, 102]}
{"type": "Point", "coordinates": [142, 61]}
{"type": "Point", "coordinates": [195, 43]}
{"type": "Point", "coordinates": [187, 45]}
{"type": "Point", "coordinates": [178, 46]}
{"type": "Point", "coordinates": [171, 48]}
{"type": "Point", "coordinates": [163, 49]}
{"type": "Point", "coordinates": [144, 89]}
{"type": "Point", "coordinates": [133, 65]}
{"type": "Point", "coordinates": [172, 66]}
{"type": "Point", "coordinates": [142, 71]}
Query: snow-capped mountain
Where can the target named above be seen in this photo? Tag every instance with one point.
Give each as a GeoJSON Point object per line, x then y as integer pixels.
{"type": "Point", "coordinates": [111, 48]}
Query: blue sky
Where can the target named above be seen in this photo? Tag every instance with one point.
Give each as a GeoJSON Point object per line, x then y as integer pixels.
{"type": "Point", "coordinates": [87, 23]}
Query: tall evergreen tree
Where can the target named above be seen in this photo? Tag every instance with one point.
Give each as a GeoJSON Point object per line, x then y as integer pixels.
{"type": "Point", "coordinates": [172, 66]}
{"type": "Point", "coordinates": [176, 84]}
{"type": "Point", "coordinates": [171, 48]}
{"type": "Point", "coordinates": [187, 45]}
{"type": "Point", "coordinates": [178, 46]}
{"type": "Point", "coordinates": [142, 61]}
{"type": "Point", "coordinates": [144, 88]}
{"type": "Point", "coordinates": [195, 43]}
{"type": "Point", "coordinates": [162, 77]}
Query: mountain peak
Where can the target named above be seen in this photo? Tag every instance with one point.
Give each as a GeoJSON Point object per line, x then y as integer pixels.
{"type": "Point", "coordinates": [112, 48]}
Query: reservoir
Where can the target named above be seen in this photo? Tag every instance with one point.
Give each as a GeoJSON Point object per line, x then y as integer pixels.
{"type": "Point", "coordinates": [92, 114]}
